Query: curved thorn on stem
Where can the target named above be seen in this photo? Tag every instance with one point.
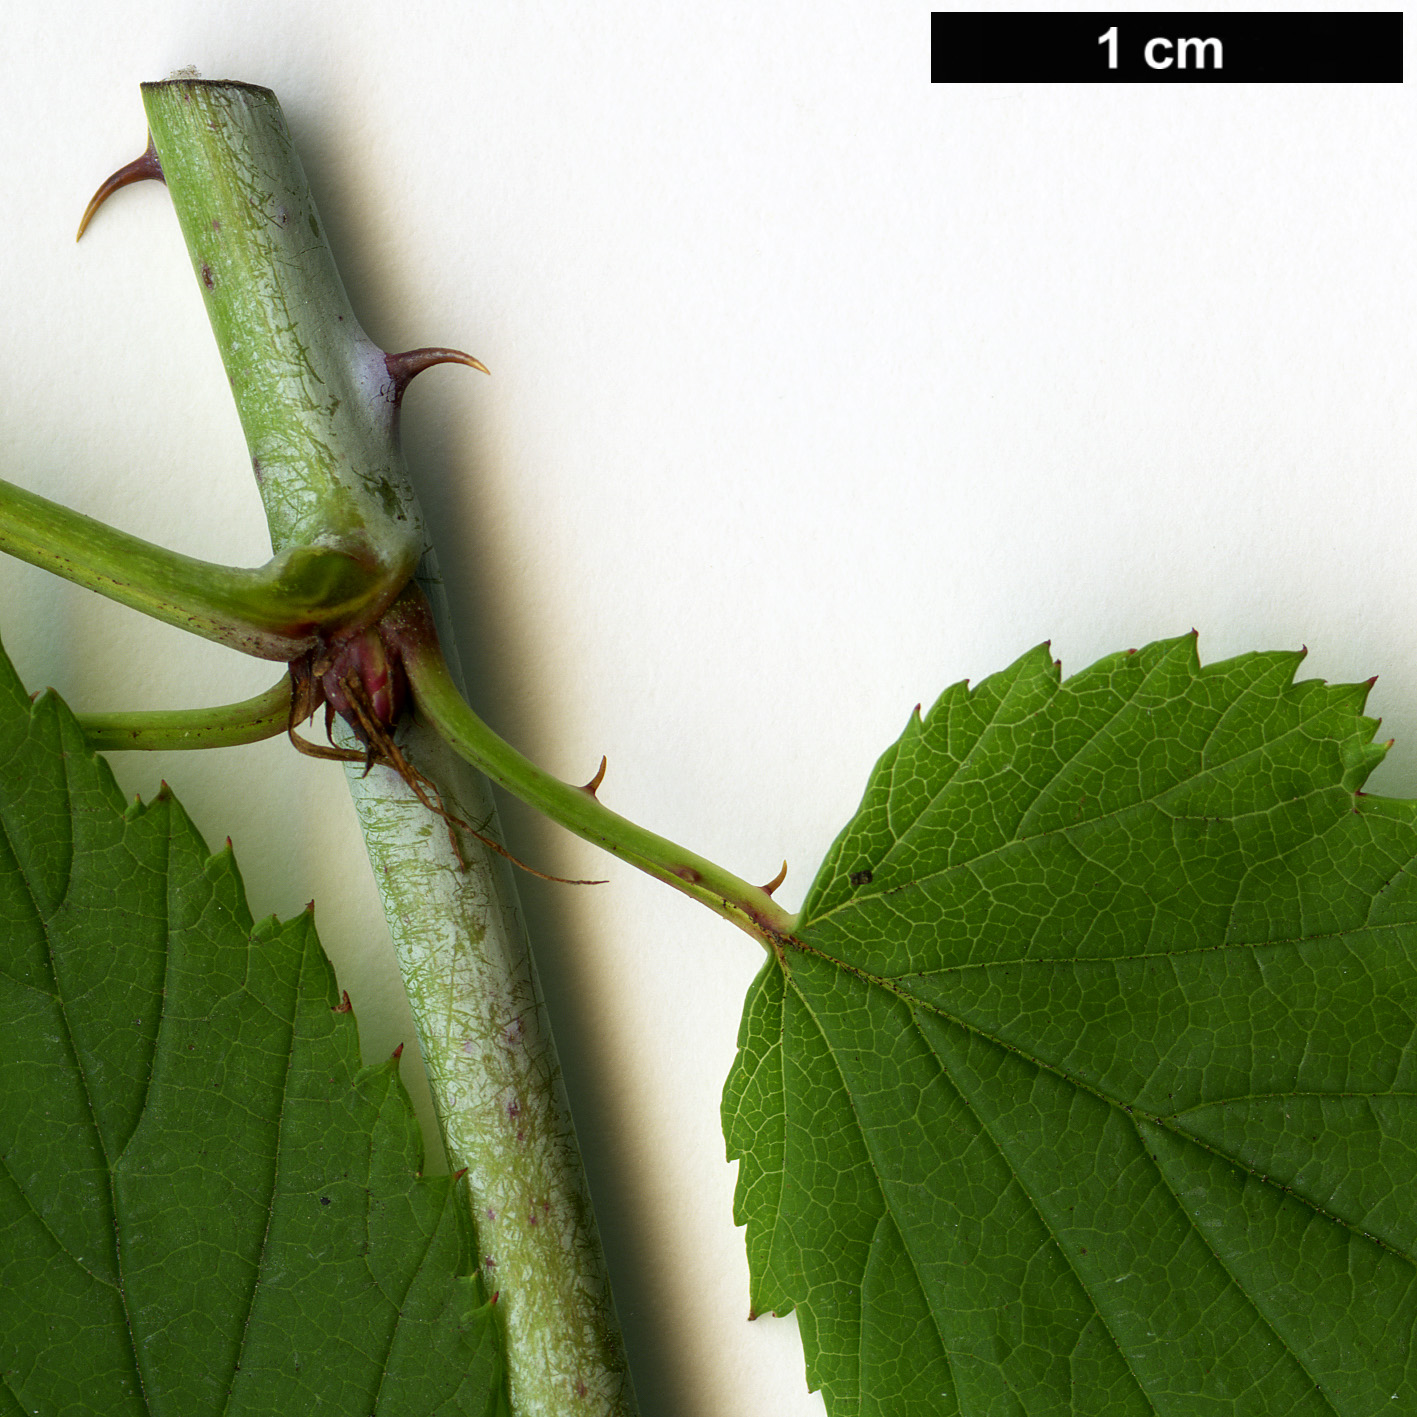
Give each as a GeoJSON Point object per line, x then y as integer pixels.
{"type": "Point", "coordinates": [142, 169]}
{"type": "Point", "coordinates": [597, 779]}
{"type": "Point", "coordinates": [776, 881]}
{"type": "Point", "coordinates": [403, 367]}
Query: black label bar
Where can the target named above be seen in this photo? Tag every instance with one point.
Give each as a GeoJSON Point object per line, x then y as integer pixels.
{"type": "Point", "coordinates": [1166, 48]}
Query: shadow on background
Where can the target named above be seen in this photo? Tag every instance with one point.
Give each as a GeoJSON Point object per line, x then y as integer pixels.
{"type": "Point", "coordinates": [445, 453]}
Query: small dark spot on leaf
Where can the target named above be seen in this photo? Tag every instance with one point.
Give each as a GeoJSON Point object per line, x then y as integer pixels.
{"type": "Point", "coordinates": [324, 1200]}
{"type": "Point", "coordinates": [860, 878]}
{"type": "Point", "coordinates": [207, 278]}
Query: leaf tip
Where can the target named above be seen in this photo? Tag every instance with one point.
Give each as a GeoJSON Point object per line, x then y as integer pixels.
{"type": "Point", "coordinates": [458, 1175]}
{"type": "Point", "coordinates": [397, 1054]}
{"type": "Point", "coordinates": [223, 859]}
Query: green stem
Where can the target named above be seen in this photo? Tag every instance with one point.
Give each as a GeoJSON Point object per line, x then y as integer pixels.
{"type": "Point", "coordinates": [575, 808]}
{"type": "Point", "coordinates": [317, 399]}
{"type": "Point", "coordinates": [496, 1081]}
{"type": "Point", "coordinates": [273, 611]}
{"type": "Point", "coordinates": [319, 404]}
{"type": "Point", "coordinates": [228, 726]}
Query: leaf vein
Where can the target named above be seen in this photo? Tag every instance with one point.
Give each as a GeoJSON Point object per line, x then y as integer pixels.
{"type": "Point", "coordinates": [1259, 1313]}
{"type": "Point", "coordinates": [49, 1230]}
{"type": "Point", "coordinates": [885, 1204]}
{"type": "Point", "coordinates": [1034, 1205]}
{"type": "Point", "coordinates": [275, 1171]}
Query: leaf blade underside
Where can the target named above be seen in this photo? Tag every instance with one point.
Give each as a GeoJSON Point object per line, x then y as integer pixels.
{"type": "Point", "coordinates": [206, 1205]}
{"type": "Point", "coordinates": [1101, 1012]}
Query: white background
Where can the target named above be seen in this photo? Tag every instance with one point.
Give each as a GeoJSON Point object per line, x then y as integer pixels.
{"type": "Point", "coordinates": [815, 389]}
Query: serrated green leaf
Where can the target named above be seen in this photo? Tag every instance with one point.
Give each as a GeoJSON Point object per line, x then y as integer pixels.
{"type": "Point", "coordinates": [206, 1205]}
{"type": "Point", "coordinates": [1089, 1083]}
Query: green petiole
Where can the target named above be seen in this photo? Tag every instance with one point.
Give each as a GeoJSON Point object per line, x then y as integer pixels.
{"type": "Point", "coordinates": [577, 809]}
{"type": "Point", "coordinates": [227, 726]}
{"type": "Point", "coordinates": [273, 611]}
